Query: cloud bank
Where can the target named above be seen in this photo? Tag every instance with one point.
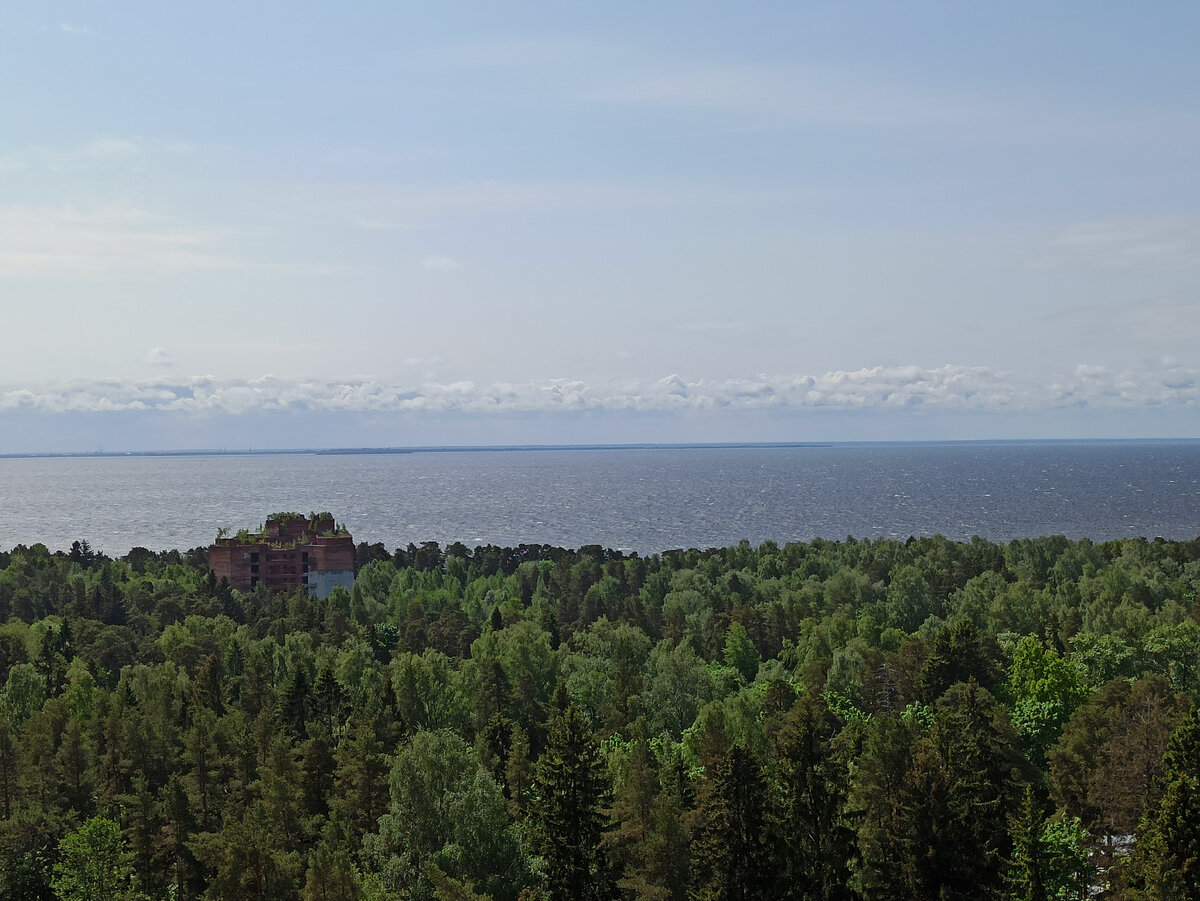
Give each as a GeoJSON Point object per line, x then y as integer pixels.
{"type": "Point", "coordinates": [1169, 386]}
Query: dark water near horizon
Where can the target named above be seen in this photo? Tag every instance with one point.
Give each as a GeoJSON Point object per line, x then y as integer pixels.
{"type": "Point", "coordinates": [642, 499]}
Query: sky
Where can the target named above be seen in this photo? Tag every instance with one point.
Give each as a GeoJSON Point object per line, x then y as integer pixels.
{"type": "Point", "coordinates": [229, 225]}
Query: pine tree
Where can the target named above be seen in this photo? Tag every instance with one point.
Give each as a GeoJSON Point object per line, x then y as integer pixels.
{"type": "Point", "coordinates": [76, 766]}
{"type": "Point", "coordinates": [281, 792]}
{"type": "Point", "coordinates": [178, 827]}
{"type": "Point", "coordinates": [571, 790]}
{"type": "Point", "coordinates": [295, 702]}
{"type": "Point", "coordinates": [360, 780]}
{"type": "Point", "coordinates": [329, 699]}
{"type": "Point", "coordinates": [202, 759]}
{"type": "Point", "coordinates": [139, 811]}
{"type": "Point", "coordinates": [331, 875]}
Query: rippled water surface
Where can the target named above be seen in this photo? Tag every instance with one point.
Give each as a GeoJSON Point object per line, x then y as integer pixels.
{"type": "Point", "coordinates": [645, 499]}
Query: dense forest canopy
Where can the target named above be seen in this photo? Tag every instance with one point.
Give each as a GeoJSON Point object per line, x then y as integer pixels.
{"type": "Point", "coordinates": [828, 720]}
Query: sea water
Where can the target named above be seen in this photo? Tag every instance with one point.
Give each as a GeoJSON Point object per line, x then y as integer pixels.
{"type": "Point", "coordinates": [644, 499]}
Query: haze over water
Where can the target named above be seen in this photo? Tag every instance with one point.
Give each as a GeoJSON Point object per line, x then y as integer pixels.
{"type": "Point", "coordinates": [643, 499]}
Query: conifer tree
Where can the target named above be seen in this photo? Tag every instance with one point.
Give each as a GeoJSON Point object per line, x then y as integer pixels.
{"type": "Point", "coordinates": [200, 755]}
{"type": "Point", "coordinates": [1166, 861]}
{"type": "Point", "coordinates": [8, 767]}
{"type": "Point", "coordinates": [360, 780]}
{"type": "Point", "coordinates": [178, 826]}
{"type": "Point", "coordinates": [952, 810]}
{"type": "Point", "coordinates": [75, 764]}
{"type": "Point", "coordinates": [733, 855]}
{"type": "Point", "coordinates": [139, 811]}
{"type": "Point", "coordinates": [571, 790]}
{"type": "Point", "coordinates": [880, 775]}
{"type": "Point", "coordinates": [331, 875]}
{"type": "Point", "coordinates": [817, 844]}
{"type": "Point", "coordinates": [1028, 861]}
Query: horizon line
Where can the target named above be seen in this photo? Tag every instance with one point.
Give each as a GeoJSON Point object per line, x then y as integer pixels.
{"type": "Point", "coordinates": [654, 445]}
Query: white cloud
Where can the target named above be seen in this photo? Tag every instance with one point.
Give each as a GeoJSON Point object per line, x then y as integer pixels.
{"type": "Point", "coordinates": [788, 95]}
{"type": "Point", "coordinates": [441, 264]}
{"type": "Point", "coordinates": [74, 29]}
{"type": "Point", "coordinates": [368, 224]}
{"type": "Point", "coordinates": [69, 241]}
{"type": "Point", "coordinates": [948, 388]}
{"type": "Point", "coordinates": [110, 148]}
{"type": "Point", "coordinates": [412, 207]}
{"type": "Point", "coordinates": [714, 326]}
{"type": "Point", "coordinates": [1124, 244]}
{"type": "Point", "coordinates": [103, 152]}
{"type": "Point", "coordinates": [159, 356]}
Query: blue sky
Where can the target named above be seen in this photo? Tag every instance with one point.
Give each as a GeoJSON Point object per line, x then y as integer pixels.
{"type": "Point", "coordinates": [300, 225]}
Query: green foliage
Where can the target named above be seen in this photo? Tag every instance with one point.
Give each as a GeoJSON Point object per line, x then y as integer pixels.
{"type": "Point", "coordinates": [733, 856]}
{"type": "Point", "coordinates": [740, 652]}
{"type": "Point", "coordinates": [244, 744]}
{"type": "Point", "coordinates": [936, 804]}
{"type": "Point", "coordinates": [1166, 859]}
{"type": "Point", "coordinates": [571, 790]}
{"type": "Point", "coordinates": [1050, 858]}
{"type": "Point", "coordinates": [1046, 690]}
{"type": "Point", "coordinates": [1104, 767]}
{"type": "Point", "coordinates": [1027, 870]}
{"type": "Point", "coordinates": [446, 813]}
{"type": "Point", "coordinates": [94, 864]}
{"type": "Point", "coordinates": [817, 841]}
{"type": "Point", "coordinates": [1067, 862]}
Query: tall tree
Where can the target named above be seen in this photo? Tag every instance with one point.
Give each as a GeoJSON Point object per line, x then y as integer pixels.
{"type": "Point", "coordinates": [178, 827]}
{"type": "Point", "coordinates": [360, 780]}
{"type": "Point", "coordinates": [8, 767]}
{"type": "Point", "coordinates": [331, 875]}
{"type": "Point", "coordinates": [1027, 868]}
{"type": "Point", "coordinates": [879, 777]}
{"type": "Point", "coordinates": [1166, 861]}
{"type": "Point", "coordinates": [817, 844]}
{"type": "Point", "coordinates": [571, 790]}
{"type": "Point", "coordinates": [1104, 767]}
{"type": "Point", "coordinates": [951, 813]}
{"type": "Point", "coordinates": [733, 855]}
{"type": "Point", "coordinates": [247, 859]}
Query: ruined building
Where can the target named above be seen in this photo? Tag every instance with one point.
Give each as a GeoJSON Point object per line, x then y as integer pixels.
{"type": "Point", "coordinates": [290, 552]}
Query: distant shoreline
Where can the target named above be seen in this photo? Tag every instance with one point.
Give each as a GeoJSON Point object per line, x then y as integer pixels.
{"type": "Point", "coordinates": [494, 448]}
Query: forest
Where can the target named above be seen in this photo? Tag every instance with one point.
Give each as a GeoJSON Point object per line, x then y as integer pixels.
{"type": "Point", "coordinates": [921, 719]}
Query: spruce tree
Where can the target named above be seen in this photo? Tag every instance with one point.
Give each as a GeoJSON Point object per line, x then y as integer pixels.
{"type": "Point", "coordinates": [1026, 876]}
{"type": "Point", "coordinates": [1166, 861]}
{"type": "Point", "coordinates": [950, 815]}
{"type": "Point", "coordinates": [571, 790]}
{"type": "Point", "coordinates": [733, 855]}
{"type": "Point", "coordinates": [817, 844]}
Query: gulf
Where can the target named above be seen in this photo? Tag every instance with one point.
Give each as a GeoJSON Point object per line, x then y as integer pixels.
{"type": "Point", "coordinates": [644, 499]}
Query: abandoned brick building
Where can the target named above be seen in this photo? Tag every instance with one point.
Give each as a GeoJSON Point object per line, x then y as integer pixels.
{"type": "Point", "coordinates": [291, 551]}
